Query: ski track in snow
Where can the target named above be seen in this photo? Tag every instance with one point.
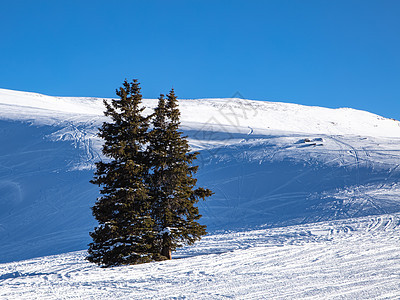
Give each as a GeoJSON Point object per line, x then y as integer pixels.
{"type": "Point", "coordinates": [348, 259]}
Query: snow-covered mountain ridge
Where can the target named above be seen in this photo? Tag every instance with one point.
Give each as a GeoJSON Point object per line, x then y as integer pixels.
{"type": "Point", "coordinates": [230, 112]}
{"type": "Point", "coordinates": [270, 164]}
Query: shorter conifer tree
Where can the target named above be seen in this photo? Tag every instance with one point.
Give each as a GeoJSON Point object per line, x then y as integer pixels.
{"type": "Point", "coordinates": [172, 185]}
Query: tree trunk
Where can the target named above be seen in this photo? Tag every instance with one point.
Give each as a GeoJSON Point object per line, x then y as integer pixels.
{"type": "Point", "coordinates": [166, 246]}
{"type": "Point", "coordinates": [166, 251]}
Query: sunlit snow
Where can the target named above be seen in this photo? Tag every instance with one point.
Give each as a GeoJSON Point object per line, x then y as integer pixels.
{"type": "Point", "coordinates": [306, 203]}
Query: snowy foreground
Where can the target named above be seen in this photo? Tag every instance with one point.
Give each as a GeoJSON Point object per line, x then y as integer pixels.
{"type": "Point", "coordinates": [306, 203]}
{"type": "Point", "coordinates": [352, 259]}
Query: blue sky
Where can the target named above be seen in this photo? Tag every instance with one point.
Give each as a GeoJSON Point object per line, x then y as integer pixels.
{"type": "Point", "coordinates": [325, 53]}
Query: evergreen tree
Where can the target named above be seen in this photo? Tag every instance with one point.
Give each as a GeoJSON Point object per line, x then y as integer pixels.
{"type": "Point", "coordinates": [148, 195]}
{"type": "Point", "coordinates": [171, 181]}
{"type": "Point", "coordinates": [125, 234]}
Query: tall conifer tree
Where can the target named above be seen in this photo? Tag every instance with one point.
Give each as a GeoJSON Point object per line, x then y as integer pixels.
{"type": "Point", "coordinates": [125, 233]}
{"type": "Point", "coordinates": [172, 185]}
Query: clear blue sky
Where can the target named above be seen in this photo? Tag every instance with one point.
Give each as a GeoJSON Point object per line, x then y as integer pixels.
{"type": "Point", "coordinates": [342, 53]}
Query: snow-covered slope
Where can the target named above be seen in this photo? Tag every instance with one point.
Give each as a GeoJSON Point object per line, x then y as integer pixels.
{"type": "Point", "coordinates": [347, 259]}
{"type": "Point", "coordinates": [269, 164]}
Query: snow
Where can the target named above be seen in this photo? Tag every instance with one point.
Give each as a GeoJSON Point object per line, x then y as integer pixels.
{"type": "Point", "coordinates": [166, 230]}
{"type": "Point", "coordinates": [232, 114]}
{"type": "Point", "coordinates": [306, 203]}
{"type": "Point", "coordinates": [352, 259]}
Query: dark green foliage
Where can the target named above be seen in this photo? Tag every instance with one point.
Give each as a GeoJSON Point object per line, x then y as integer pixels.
{"type": "Point", "coordinates": [125, 232]}
{"type": "Point", "coordinates": [148, 195]}
{"type": "Point", "coordinates": [172, 185]}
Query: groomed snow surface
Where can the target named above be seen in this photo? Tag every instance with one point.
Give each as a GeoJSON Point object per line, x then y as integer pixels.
{"type": "Point", "coordinates": [352, 259]}
{"type": "Point", "coordinates": [306, 203]}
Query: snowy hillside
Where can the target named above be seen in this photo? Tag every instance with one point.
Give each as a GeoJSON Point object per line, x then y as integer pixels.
{"type": "Point", "coordinates": [270, 165]}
